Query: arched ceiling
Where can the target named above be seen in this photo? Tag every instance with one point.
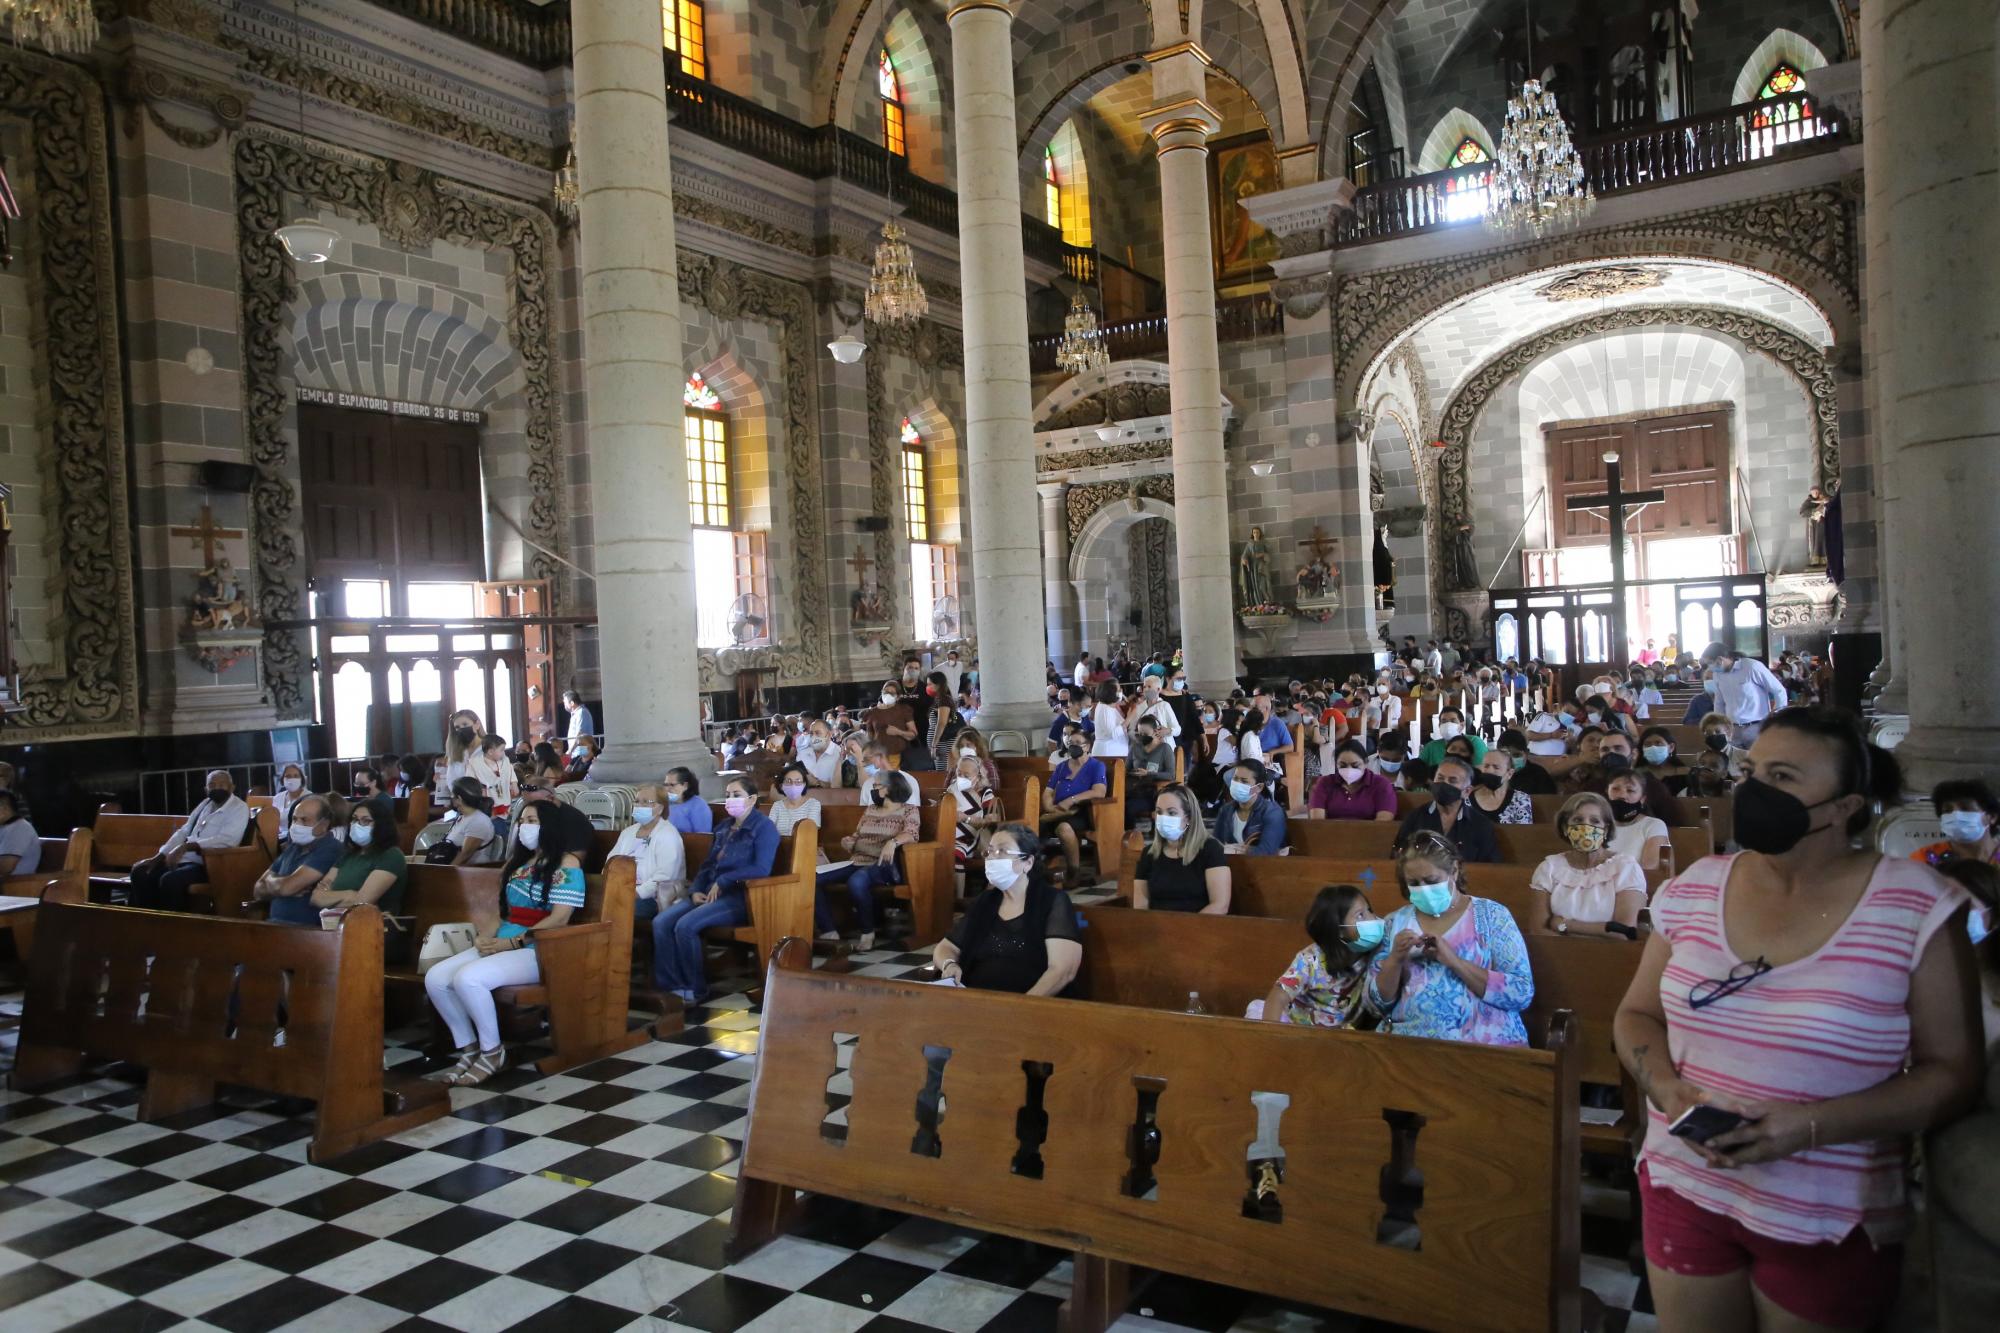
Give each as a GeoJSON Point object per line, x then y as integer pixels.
{"type": "Point", "coordinates": [1453, 343]}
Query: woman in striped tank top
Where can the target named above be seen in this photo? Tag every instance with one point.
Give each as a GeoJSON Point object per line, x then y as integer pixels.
{"type": "Point", "coordinates": [1815, 990]}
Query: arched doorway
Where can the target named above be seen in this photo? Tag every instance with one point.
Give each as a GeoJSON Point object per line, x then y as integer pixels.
{"type": "Point", "coordinates": [1122, 567]}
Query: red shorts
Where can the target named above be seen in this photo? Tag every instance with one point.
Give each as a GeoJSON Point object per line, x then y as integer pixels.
{"type": "Point", "coordinates": [1849, 1285]}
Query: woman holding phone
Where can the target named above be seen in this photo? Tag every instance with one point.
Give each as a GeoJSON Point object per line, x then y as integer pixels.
{"type": "Point", "coordinates": [1799, 1013]}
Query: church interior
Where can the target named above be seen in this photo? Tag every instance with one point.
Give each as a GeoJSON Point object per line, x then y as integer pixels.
{"type": "Point", "coordinates": [607, 720]}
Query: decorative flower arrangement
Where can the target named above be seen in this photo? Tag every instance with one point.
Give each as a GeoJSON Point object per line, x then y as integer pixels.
{"type": "Point", "coordinates": [1265, 609]}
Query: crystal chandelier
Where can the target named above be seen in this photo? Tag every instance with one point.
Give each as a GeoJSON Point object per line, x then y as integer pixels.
{"type": "Point", "coordinates": [895, 294]}
{"type": "Point", "coordinates": [1538, 183]}
{"type": "Point", "coordinates": [63, 27]}
{"type": "Point", "coordinates": [1082, 347]}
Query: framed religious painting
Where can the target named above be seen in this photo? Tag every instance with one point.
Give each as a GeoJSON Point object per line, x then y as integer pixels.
{"type": "Point", "coordinates": [1239, 168]}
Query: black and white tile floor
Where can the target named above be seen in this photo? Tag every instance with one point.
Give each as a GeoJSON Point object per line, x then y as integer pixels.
{"type": "Point", "coordinates": [592, 1200]}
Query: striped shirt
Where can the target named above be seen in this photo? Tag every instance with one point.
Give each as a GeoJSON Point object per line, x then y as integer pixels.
{"type": "Point", "coordinates": [1832, 1023]}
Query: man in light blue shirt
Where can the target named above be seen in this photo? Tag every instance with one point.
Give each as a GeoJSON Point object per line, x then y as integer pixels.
{"type": "Point", "coordinates": [581, 723]}
{"type": "Point", "coordinates": [1745, 692]}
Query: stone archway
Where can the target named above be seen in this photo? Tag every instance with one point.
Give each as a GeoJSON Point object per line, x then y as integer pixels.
{"type": "Point", "coordinates": [1121, 566]}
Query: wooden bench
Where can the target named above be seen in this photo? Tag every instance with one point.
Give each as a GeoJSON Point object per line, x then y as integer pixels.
{"type": "Point", "coordinates": [200, 1001]}
{"type": "Point", "coordinates": [928, 884]}
{"type": "Point", "coordinates": [1155, 959]}
{"type": "Point", "coordinates": [21, 895]}
{"type": "Point", "coordinates": [120, 840]}
{"type": "Point", "coordinates": [1374, 840]}
{"type": "Point", "coordinates": [1106, 825]}
{"type": "Point", "coordinates": [1125, 1135]}
{"type": "Point", "coordinates": [1284, 886]}
{"type": "Point", "coordinates": [586, 965]}
{"type": "Point", "coordinates": [781, 903]}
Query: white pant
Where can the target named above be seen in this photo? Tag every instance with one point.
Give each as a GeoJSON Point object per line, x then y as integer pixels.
{"type": "Point", "coordinates": [462, 988]}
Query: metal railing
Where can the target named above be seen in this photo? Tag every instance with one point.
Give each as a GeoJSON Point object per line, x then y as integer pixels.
{"type": "Point", "coordinates": [1257, 315]}
{"type": "Point", "coordinates": [175, 791]}
{"type": "Point", "coordinates": [1712, 142]}
{"type": "Point", "coordinates": [533, 34]}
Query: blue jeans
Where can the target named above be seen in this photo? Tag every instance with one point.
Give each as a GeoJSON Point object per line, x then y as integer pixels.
{"type": "Point", "coordinates": [861, 882]}
{"type": "Point", "coordinates": [677, 962]}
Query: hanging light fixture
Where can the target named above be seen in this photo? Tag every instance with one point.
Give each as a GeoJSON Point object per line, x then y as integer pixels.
{"type": "Point", "coordinates": [1082, 347]}
{"type": "Point", "coordinates": [895, 294]}
{"type": "Point", "coordinates": [847, 348]}
{"type": "Point", "coordinates": [1538, 180]}
{"type": "Point", "coordinates": [61, 27]}
{"type": "Point", "coordinates": [305, 240]}
{"type": "Point", "coordinates": [566, 190]}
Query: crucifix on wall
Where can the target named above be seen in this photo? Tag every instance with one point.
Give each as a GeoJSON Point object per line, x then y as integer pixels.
{"type": "Point", "coordinates": [1618, 503]}
{"type": "Point", "coordinates": [218, 597]}
{"type": "Point", "coordinates": [864, 604]}
{"type": "Point", "coordinates": [1317, 576]}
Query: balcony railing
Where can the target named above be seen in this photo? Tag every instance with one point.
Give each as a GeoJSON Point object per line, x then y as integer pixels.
{"type": "Point", "coordinates": [536, 35]}
{"type": "Point", "coordinates": [1703, 145]}
{"type": "Point", "coordinates": [1254, 316]}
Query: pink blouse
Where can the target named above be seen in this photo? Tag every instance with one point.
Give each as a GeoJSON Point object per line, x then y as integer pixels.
{"type": "Point", "coordinates": [1832, 1023]}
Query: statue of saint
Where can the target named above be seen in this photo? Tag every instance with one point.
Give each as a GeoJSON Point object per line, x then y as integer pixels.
{"type": "Point", "coordinates": [1813, 511]}
{"type": "Point", "coordinates": [1253, 571]}
{"type": "Point", "coordinates": [218, 598]}
{"type": "Point", "coordinates": [865, 604]}
{"type": "Point", "coordinates": [1463, 564]}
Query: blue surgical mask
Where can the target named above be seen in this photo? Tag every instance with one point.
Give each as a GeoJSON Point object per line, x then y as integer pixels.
{"type": "Point", "coordinates": [1389, 765]}
{"type": "Point", "coordinates": [1976, 927]}
{"type": "Point", "coordinates": [1169, 827]}
{"type": "Point", "coordinates": [1520, 761]}
{"type": "Point", "coordinates": [360, 834]}
{"type": "Point", "coordinates": [644, 814]}
{"type": "Point", "coordinates": [675, 798]}
{"type": "Point", "coordinates": [1368, 934]}
{"type": "Point", "coordinates": [1658, 754]}
{"type": "Point", "coordinates": [1963, 825]}
{"type": "Point", "coordinates": [1239, 792]}
{"type": "Point", "coordinates": [1431, 899]}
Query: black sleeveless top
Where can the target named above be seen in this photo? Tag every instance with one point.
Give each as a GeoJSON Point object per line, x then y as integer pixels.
{"type": "Point", "coordinates": [1012, 955]}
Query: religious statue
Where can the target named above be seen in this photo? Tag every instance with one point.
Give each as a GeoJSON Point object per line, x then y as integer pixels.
{"type": "Point", "coordinates": [864, 605]}
{"type": "Point", "coordinates": [218, 599]}
{"type": "Point", "coordinates": [1461, 563]}
{"type": "Point", "coordinates": [1813, 510]}
{"type": "Point", "coordinates": [1315, 581]}
{"type": "Point", "coordinates": [1253, 571]}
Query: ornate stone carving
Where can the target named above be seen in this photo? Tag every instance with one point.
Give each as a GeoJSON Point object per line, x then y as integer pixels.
{"type": "Point", "coordinates": [803, 649]}
{"type": "Point", "coordinates": [90, 687]}
{"type": "Point", "coordinates": [1069, 460]}
{"type": "Point", "coordinates": [269, 166]}
{"type": "Point", "coordinates": [1592, 284]}
{"type": "Point", "coordinates": [191, 17]}
{"type": "Point", "coordinates": [1809, 236]}
{"type": "Point", "coordinates": [1405, 522]}
{"type": "Point", "coordinates": [1085, 500]}
{"type": "Point", "coordinates": [1803, 601]}
{"type": "Point", "coordinates": [694, 208]}
{"type": "Point", "coordinates": [1305, 241]}
{"type": "Point", "coordinates": [407, 205]}
{"type": "Point", "coordinates": [1807, 362]}
{"type": "Point", "coordinates": [143, 87]}
{"type": "Point", "coordinates": [1302, 297]}
{"type": "Point", "coordinates": [1125, 401]}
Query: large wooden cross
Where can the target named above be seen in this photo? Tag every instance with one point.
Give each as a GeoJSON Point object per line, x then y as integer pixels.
{"type": "Point", "coordinates": [860, 564]}
{"type": "Point", "coordinates": [207, 532]}
{"type": "Point", "coordinates": [1617, 502]}
{"type": "Point", "coordinates": [1319, 544]}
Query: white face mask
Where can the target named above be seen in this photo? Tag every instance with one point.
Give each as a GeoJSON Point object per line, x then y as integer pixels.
{"type": "Point", "coordinates": [645, 814]}
{"type": "Point", "coordinates": [1350, 775]}
{"type": "Point", "coordinates": [1001, 872]}
{"type": "Point", "coordinates": [359, 834]}
{"type": "Point", "coordinates": [962, 784]}
{"type": "Point", "coordinates": [293, 784]}
{"type": "Point", "coordinates": [968, 754]}
{"type": "Point", "coordinates": [888, 699]}
{"type": "Point", "coordinates": [529, 836]}
{"type": "Point", "coordinates": [1381, 689]}
{"type": "Point", "coordinates": [302, 834]}
{"type": "Point", "coordinates": [1450, 730]}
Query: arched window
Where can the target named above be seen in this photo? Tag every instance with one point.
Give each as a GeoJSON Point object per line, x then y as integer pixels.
{"type": "Point", "coordinates": [916, 498]}
{"type": "Point", "coordinates": [731, 574]}
{"type": "Point", "coordinates": [707, 454]}
{"type": "Point", "coordinates": [891, 90]}
{"type": "Point", "coordinates": [684, 31]}
{"type": "Point", "coordinates": [1783, 82]}
{"type": "Point", "coordinates": [1052, 208]}
{"type": "Point", "coordinates": [934, 612]}
{"type": "Point", "coordinates": [1469, 153]}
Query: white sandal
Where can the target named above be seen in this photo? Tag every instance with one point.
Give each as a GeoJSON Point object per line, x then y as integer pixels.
{"type": "Point", "coordinates": [466, 1055]}
{"type": "Point", "coordinates": [482, 1067]}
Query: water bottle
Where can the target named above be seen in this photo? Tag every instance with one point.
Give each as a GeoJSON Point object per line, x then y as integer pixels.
{"type": "Point", "coordinates": [1194, 1004]}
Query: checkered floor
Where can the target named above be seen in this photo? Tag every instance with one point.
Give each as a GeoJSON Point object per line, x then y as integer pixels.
{"type": "Point", "coordinates": [593, 1200]}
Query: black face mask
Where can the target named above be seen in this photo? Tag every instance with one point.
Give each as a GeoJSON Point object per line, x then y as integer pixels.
{"type": "Point", "coordinates": [1490, 781]}
{"type": "Point", "coordinates": [1716, 741]}
{"type": "Point", "coordinates": [218, 795]}
{"type": "Point", "coordinates": [1075, 752]}
{"type": "Point", "coordinates": [464, 733]}
{"type": "Point", "coordinates": [1613, 761]}
{"type": "Point", "coordinates": [1624, 810]}
{"type": "Point", "coordinates": [1145, 737]}
{"type": "Point", "coordinates": [1770, 820]}
{"type": "Point", "coordinates": [1445, 794]}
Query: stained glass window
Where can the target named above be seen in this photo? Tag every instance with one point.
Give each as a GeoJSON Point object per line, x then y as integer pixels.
{"type": "Point", "coordinates": [1469, 152]}
{"type": "Point", "coordinates": [699, 396]}
{"type": "Point", "coordinates": [891, 90]}
{"type": "Point", "coordinates": [1783, 82]}
{"type": "Point", "coordinates": [1051, 191]}
{"type": "Point", "coordinates": [683, 29]}
{"type": "Point", "coordinates": [916, 497]}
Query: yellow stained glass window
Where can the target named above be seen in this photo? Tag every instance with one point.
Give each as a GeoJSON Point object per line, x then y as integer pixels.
{"type": "Point", "coordinates": [1469, 152]}
{"type": "Point", "coordinates": [684, 30]}
{"type": "Point", "coordinates": [891, 89]}
{"type": "Point", "coordinates": [1783, 82]}
{"type": "Point", "coordinates": [916, 498]}
{"type": "Point", "coordinates": [707, 432]}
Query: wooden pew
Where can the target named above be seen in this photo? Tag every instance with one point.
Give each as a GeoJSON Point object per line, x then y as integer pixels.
{"type": "Point", "coordinates": [1292, 769]}
{"type": "Point", "coordinates": [586, 966]}
{"type": "Point", "coordinates": [928, 885]}
{"type": "Point", "coordinates": [119, 840]}
{"type": "Point", "coordinates": [1106, 826]}
{"type": "Point", "coordinates": [21, 895]}
{"type": "Point", "coordinates": [1154, 959]}
{"type": "Point", "coordinates": [201, 1001]}
{"type": "Point", "coordinates": [1473, 1240]}
{"type": "Point", "coordinates": [781, 904]}
{"type": "Point", "coordinates": [1020, 797]}
{"type": "Point", "coordinates": [1372, 840]}
{"type": "Point", "coordinates": [1285, 885]}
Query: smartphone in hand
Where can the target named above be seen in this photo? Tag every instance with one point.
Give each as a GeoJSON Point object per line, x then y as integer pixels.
{"type": "Point", "coordinates": [1702, 1122]}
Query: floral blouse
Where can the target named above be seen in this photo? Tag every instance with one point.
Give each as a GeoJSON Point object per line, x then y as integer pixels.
{"type": "Point", "coordinates": [1435, 1003]}
{"type": "Point", "coordinates": [1319, 996]}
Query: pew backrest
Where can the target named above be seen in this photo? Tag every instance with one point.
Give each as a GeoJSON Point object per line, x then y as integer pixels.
{"type": "Point", "coordinates": [953, 1088]}
{"type": "Point", "coordinates": [1587, 978]}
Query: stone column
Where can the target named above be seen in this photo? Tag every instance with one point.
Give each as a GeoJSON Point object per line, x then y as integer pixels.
{"type": "Point", "coordinates": [1058, 598]}
{"type": "Point", "coordinates": [631, 318]}
{"type": "Point", "coordinates": [1932, 113]}
{"type": "Point", "coordinates": [1181, 124]}
{"type": "Point", "coordinates": [1893, 700]}
{"type": "Point", "coordinates": [999, 427]}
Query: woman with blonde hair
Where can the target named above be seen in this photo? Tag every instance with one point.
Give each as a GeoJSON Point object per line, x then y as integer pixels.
{"type": "Point", "coordinates": [1182, 869]}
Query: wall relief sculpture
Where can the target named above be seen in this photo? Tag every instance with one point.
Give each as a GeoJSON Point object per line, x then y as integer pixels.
{"type": "Point", "coordinates": [1125, 401]}
{"type": "Point", "coordinates": [1085, 500]}
{"type": "Point", "coordinates": [1596, 284]}
{"type": "Point", "coordinates": [272, 166]}
{"type": "Point", "coordinates": [89, 685]}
